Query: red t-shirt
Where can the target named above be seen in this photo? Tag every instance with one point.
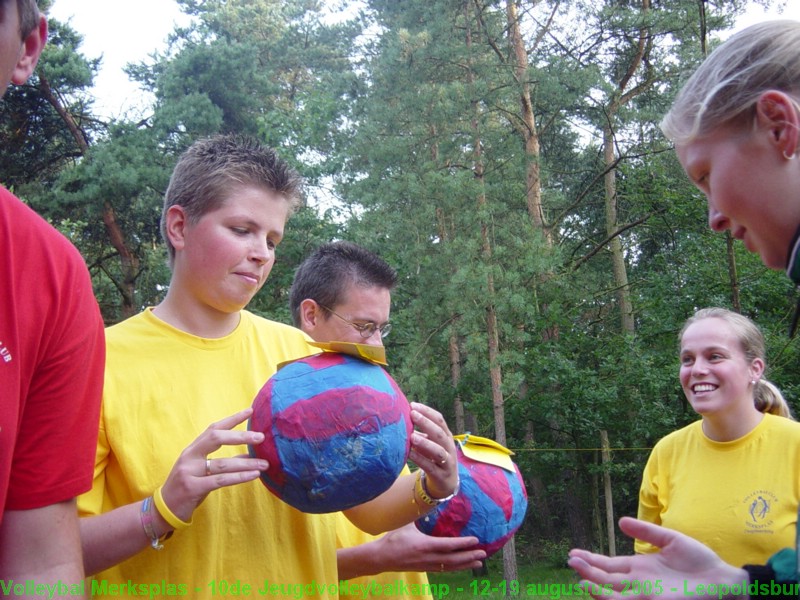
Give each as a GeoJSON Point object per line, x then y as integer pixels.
{"type": "Point", "coordinates": [52, 355]}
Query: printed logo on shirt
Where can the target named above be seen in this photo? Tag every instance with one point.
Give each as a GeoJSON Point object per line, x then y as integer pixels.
{"type": "Point", "coordinates": [759, 505]}
{"type": "Point", "coordinates": [5, 353]}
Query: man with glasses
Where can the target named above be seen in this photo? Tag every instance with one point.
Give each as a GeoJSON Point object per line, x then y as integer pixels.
{"type": "Point", "coordinates": [343, 292]}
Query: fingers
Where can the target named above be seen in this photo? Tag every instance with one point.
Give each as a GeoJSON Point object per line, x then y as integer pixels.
{"type": "Point", "coordinates": [601, 566]}
{"type": "Point", "coordinates": [598, 582]}
{"type": "Point", "coordinates": [196, 474]}
{"type": "Point", "coordinates": [222, 433]}
{"type": "Point", "coordinates": [412, 550]}
{"type": "Point", "coordinates": [453, 544]}
{"type": "Point", "coordinates": [230, 471]}
{"type": "Point", "coordinates": [648, 532]}
{"type": "Point", "coordinates": [433, 449]}
{"type": "Point", "coordinates": [452, 563]}
{"type": "Point", "coordinates": [451, 553]}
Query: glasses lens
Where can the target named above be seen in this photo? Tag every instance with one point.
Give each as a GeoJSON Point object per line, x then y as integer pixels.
{"type": "Point", "coordinates": [387, 327]}
{"type": "Point", "coordinates": [367, 330]}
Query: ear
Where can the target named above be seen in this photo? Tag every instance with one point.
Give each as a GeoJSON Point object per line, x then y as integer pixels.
{"type": "Point", "coordinates": [777, 113]}
{"type": "Point", "coordinates": [756, 368]}
{"type": "Point", "coordinates": [31, 50]}
{"type": "Point", "coordinates": [310, 314]}
{"type": "Point", "coordinates": [177, 224]}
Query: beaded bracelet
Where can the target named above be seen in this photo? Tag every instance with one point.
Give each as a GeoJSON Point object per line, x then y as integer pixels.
{"type": "Point", "coordinates": [166, 513]}
{"type": "Point", "coordinates": [147, 524]}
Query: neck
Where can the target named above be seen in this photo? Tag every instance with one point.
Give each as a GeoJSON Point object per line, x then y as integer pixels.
{"type": "Point", "coordinates": [198, 320]}
{"type": "Point", "coordinates": [731, 426]}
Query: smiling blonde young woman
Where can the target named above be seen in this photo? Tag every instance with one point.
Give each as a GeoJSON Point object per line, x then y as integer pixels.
{"type": "Point", "coordinates": [708, 479]}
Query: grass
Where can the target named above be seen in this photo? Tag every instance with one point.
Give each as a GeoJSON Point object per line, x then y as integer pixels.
{"type": "Point", "coordinates": [535, 582]}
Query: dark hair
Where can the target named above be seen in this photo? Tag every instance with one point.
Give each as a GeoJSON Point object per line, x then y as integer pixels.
{"type": "Point", "coordinates": [207, 171]}
{"type": "Point", "coordinates": [331, 269]}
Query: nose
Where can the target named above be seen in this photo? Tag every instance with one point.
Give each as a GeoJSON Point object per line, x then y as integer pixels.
{"type": "Point", "coordinates": [716, 220]}
{"type": "Point", "coordinates": [260, 252]}
{"type": "Point", "coordinates": [699, 366]}
{"type": "Point", "coordinates": [375, 339]}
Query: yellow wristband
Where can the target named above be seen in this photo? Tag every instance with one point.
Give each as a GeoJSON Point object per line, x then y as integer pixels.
{"type": "Point", "coordinates": [166, 513]}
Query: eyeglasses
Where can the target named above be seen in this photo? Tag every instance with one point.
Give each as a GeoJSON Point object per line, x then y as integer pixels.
{"type": "Point", "coordinates": [368, 329]}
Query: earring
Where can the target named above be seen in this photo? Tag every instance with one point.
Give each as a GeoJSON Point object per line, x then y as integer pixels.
{"type": "Point", "coordinates": [789, 156]}
{"type": "Point", "coordinates": [754, 381]}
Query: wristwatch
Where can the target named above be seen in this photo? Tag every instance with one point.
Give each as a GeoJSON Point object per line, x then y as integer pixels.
{"type": "Point", "coordinates": [424, 494]}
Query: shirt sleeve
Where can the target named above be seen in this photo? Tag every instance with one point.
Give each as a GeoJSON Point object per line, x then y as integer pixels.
{"type": "Point", "coordinates": [55, 448]}
{"type": "Point", "coordinates": [649, 505]}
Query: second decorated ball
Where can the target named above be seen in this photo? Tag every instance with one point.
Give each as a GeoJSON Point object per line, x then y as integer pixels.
{"type": "Point", "coordinates": [491, 502]}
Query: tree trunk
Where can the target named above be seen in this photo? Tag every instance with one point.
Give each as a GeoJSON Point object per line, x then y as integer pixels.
{"type": "Point", "coordinates": [533, 187]}
{"type": "Point", "coordinates": [492, 334]}
{"type": "Point", "coordinates": [615, 245]}
{"type": "Point", "coordinates": [733, 276]}
{"type": "Point", "coordinates": [606, 456]}
{"type": "Point", "coordinates": [538, 493]}
{"type": "Point", "coordinates": [128, 259]}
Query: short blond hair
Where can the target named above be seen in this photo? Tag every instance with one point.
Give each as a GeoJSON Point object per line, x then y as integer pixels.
{"type": "Point", "coordinates": [28, 17]}
{"type": "Point", "coordinates": [210, 168]}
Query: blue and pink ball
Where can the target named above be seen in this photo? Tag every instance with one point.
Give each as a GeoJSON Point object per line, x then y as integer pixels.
{"type": "Point", "coordinates": [337, 432]}
{"type": "Point", "coordinates": [490, 505]}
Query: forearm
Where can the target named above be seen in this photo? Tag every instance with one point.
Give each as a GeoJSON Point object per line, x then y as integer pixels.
{"type": "Point", "coordinates": [397, 506]}
{"type": "Point", "coordinates": [112, 537]}
{"type": "Point", "coordinates": [41, 545]}
{"type": "Point", "coordinates": [358, 561]}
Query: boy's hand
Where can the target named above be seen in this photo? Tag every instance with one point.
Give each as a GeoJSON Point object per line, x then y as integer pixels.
{"type": "Point", "coordinates": [194, 475]}
{"type": "Point", "coordinates": [434, 450]}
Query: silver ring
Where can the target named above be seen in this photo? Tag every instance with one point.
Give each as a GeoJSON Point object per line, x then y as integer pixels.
{"type": "Point", "coordinates": [208, 466]}
{"type": "Point", "coordinates": [443, 461]}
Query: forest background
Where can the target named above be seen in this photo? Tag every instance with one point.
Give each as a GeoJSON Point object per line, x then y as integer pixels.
{"type": "Point", "coordinates": [503, 155]}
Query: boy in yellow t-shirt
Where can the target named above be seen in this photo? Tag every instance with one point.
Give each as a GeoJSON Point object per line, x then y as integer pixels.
{"type": "Point", "coordinates": [199, 357]}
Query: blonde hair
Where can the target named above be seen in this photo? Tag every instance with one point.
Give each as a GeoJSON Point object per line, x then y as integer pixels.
{"type": "Point", "coordinates": [724, 90]}
{"type": "Point", "coordinates": [766, 396]}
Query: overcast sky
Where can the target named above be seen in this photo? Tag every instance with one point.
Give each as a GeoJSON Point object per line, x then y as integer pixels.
{"type": "Point", "coordinates": [124, 31]}
{"type": "Point", "coordinates": [121, 31]}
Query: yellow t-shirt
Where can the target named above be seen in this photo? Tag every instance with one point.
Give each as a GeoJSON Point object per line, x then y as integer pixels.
{"type": "Point", "coordinates": [409, 585]}
{"type": "Point", "coordinates": [740, 498]}
{"type": "Point", "coordinates": [163, 387]}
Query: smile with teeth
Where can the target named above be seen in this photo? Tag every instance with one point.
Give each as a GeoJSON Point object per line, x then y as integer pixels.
{"type": "Point", "coordinates": [703, 387]}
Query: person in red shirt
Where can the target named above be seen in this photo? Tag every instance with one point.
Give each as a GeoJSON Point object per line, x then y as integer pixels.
{"type": "Point", "coordinates": [51, 367]}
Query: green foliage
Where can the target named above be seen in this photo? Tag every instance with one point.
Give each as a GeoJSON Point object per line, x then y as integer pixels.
{"type": "Point", "coordinates": [406, 116]}
{"type": "Point", "coordinates": [35, 142]}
